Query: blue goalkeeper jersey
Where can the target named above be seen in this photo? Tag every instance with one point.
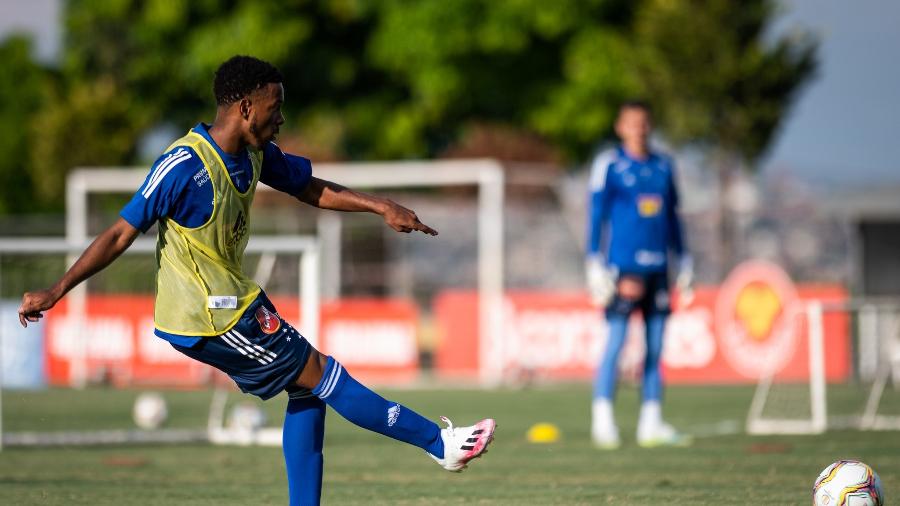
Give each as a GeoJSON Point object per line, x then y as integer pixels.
{"type": "Point", "coordinates": [633, 218]}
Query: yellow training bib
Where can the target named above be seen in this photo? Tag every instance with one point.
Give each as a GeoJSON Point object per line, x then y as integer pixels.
{"type": "Point", "coordinates": [201, 289]}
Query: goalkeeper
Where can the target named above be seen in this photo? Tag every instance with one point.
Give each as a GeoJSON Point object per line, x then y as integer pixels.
{"type": "Point", "coordinates": [633, 228]}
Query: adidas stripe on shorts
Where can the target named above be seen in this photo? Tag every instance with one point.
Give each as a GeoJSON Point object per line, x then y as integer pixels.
{"type": "Point", "coordinates": [262, 353]}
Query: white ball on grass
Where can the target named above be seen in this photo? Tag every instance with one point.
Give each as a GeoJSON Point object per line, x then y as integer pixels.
{"type": "Point", "coordinates": [246, 416]}
{"type": "Point", "coordinates": [150, 411]}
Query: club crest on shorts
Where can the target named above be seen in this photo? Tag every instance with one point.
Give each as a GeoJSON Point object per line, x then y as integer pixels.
{"type": "Point", "coordinates": [268, 321]}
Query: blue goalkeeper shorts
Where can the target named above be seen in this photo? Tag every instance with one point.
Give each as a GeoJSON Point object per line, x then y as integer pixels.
{"type": "Point", "coordinates": [262, 353]}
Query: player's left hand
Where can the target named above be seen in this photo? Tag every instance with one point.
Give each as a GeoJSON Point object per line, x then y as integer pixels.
{"type": "Point", "coordinates": [33, 305]}
{"type": "Point", "coordinates": [404, 220]}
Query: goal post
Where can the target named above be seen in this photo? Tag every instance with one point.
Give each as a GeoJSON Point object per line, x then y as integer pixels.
{"type": "Point", "coordinates": [884, 366]}
{"type": "Point", "coordinates": [816, 423]}
{"type": "Point", "coordinates": [869, 400]}
{"type": "Point", "coordinates": [84, 185]}
{"type": "Point", "coordinates": [486, 175]}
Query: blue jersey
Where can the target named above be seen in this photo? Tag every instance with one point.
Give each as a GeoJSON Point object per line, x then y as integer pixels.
{"type": "Point", "coordinates": [178, 187]}
{"type": "Point", "coordinates": [634, 222]}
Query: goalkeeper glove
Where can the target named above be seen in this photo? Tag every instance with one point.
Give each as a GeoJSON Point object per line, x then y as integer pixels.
{"type": "Point", "coordinates": [685, 280]}
{"type": "Point", "coordinates": [601, 281]}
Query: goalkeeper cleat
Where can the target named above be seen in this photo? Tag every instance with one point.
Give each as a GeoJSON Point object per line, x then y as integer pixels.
{"type": "Point", "coordinates": [462, 444]}
{"type": "Point", "coordinates": [604, 432]}
{"type": "Point", "coordinates": [652, 435]}
{"type": "Point", "coordinates": [605, 437]}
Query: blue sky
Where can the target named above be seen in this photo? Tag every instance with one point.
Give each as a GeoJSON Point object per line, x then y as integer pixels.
{"type": "Point", "coordinates": [844, 129]}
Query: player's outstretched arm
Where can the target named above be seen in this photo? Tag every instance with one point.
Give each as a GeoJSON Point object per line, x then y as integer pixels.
{"type": "Point", "coordinates": [105, 248]}
{"type": "Point", "coordinates": [327, 195]}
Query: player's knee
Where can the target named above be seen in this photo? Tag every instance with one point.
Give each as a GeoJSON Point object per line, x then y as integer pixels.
{"type": "Point", "coordinates": [312, 372]}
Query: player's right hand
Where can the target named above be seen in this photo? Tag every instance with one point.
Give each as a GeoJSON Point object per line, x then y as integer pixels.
{"type": "Point", "coordinates": [33, 305]}
{"type": "Point", "coordinates": [601, 282]}
{"type": "Point", "coordinates": [404, 220]}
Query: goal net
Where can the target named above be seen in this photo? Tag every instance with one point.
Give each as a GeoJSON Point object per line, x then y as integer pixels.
{"type": "Point", "coordinates": [814, 403]}
{"type": "Point", "coordinates": [98, 353]}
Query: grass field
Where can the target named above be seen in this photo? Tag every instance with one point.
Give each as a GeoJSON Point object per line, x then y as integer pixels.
{"type": "Point", "coordinates": [366, 469]}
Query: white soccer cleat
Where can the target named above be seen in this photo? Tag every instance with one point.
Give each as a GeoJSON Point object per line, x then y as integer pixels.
{"type": "Point", "coordinates": [606, 437]}
{"type": "Point", "coordinates": [604, 432]}
{"type": "Point", "coordinates": [653, 431]}
{"type": "Point", "coordinates": [462, 444]}
{"type": "Point", "coordinates": [652, 435]}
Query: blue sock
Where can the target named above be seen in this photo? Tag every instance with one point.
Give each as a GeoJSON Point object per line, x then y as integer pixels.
{"type": "Point", "coordinates": [652, 386]}
{"type": "Point", "coordinates": [369, 410]}
{"type": "Point", "coordinates": [607, 373]}
{"type": "Point", "coordinates": [304, 433]}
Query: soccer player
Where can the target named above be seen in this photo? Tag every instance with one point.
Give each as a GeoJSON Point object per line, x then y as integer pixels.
{"type": "Point", "coordinates": [633, 228]}
{"type": "Point", "coordinates": [200, 191]}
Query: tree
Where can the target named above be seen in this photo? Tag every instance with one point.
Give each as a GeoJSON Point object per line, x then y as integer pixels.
{"type": "Point", "coordinates": [561, 71]}
{"type": "Point", "coordinates": [22, 91]}
{"type": "Point", "coordinates": [715, 79]}
{"type": "Point", "coordinates": [554, 71]}
{"type": "Point", "coordinates": [412, 78]}
{"type": "Point", "coordinates": [718, 83]}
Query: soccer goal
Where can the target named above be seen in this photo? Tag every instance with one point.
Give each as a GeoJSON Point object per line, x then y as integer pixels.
{"type": "Point", "coordinates": [301, 270]}
{"type": "Point", "coordinates": [867, 398]}
{"type": "Point", "coordinates": [478, 222]}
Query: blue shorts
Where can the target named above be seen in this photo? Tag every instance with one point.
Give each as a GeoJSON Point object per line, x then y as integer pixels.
{"type": "Point", "coordinates": [655, 300]}
{"type": "Point", "coordinates": [262, 353]}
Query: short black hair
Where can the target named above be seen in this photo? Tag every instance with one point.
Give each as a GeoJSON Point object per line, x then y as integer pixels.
{"type": "Point", "coordinates": [242, 75]}
{"type": "Point", "coordinates": [636, 103]}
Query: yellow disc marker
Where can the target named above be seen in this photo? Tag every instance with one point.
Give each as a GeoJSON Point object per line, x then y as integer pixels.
{"type": "Point", "coordinates": [543, 433]}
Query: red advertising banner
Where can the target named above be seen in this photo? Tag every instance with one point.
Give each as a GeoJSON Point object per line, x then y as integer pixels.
{"type": "Point", "coordinates": [751, 324]}
{"type": "Point", "coordinates": [374, 339]}
{"type": "Point", "coordinates": [728, 334]}
{"type": "Point", "coordinates": [120, 347]}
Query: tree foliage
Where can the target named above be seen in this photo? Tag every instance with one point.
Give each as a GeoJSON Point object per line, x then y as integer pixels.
{"type": "Point", "coordinates": [22, 87]}
{"type": "Point", "coordinates": [407, 78]}
{"type": "Point", "coordinates": [714, 77]}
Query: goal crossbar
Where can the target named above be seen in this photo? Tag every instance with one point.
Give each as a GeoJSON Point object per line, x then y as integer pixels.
{"type": "Point", "coordinates": [486, 174]}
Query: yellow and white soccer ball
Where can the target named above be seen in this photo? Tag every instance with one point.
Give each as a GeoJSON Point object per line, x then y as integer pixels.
{"type": "Point", "coordinates": [848, 483]}
{"type": "Point", "coordinates": [150, 410]}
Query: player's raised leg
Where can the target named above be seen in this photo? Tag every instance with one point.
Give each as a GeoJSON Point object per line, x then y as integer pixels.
{"type": "Point", "coordinates": [452, 447]}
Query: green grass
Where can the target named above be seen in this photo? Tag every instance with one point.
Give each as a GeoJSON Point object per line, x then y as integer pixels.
{"type": "Point", "coordinates": [367, 469]}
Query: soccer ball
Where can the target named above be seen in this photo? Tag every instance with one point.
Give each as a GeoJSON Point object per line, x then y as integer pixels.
{"type": "Point", "coordinates": [150, 411]}
{"type": "Point", "coordinates": [246, 416]}
{"type": "Point", "coordinates": [848, 483]}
